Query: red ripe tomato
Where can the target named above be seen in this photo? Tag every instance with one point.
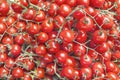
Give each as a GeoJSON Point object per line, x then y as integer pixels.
{"type": "Point", "coordinates": [12, 31]}
{"type": "Point", "coordinates": [24, 3]}
{"type": "Point", "coordinates": [67, 35]}
{"type": "Point", "coordinates": [61, 56]}
{"type": "Point", "coordinates": [98, 68]}
{"type": "Point", "coordinates": [78, 14]}
{"type": "Point", "coordinates": [42, 37]}
{"type": "Point", "coordinates": [40, 73]}
{"type": "Point", "coordinates": [97, 3]}
{"type": "Point", "coordinates": [21, 26]}
{"type": "Point", "coordinates": [53, 46]}
{"type": "Point", "coordinates": [34, 1]}
{"type": "Point", "coordinates": [47, 25]}
{"type": "Point", "coordinates": [7, 40]}
{"type": "Point", "coordinates": [19, 39]}
{"type": "Point", "coordinates": [9, 63]}
{"type": "Point", "coordinates": [85, 23]}
{"type": "Point", "coordinates": [99, 36]}
{"type": "Point", "coordinates": [40, 50]}
{"type": "Point", "coordinates": [116, 54]}
{"type": "Point", "coordinates": [27, 77]}
{"type": "Point", "coordinates": [15, 50]}
{"type": "Point", "coordinates": [70, 61]}
{"type": "Point", "coordinates": [53, 9]}
{"type": "Point", "coordinates": [40, 16]}
{"type": "Point", "coordinates": [2, 28]}
{"type": "Point", "coordinates": [48, 58]}
{"type": "Point", "coordinates": [110, 66]}
{"type": "Point", "coordinates": [58, 21]}
{"type": "Point", "coordinates": [81, 37]}
{"type": "Point", "coordinates": [3, 72]}
{"type": "Point", "coordinates": [16, 8]}
{"type": "Point", "coordinates": [4, 8]}
{"type": "Point", "coordinates": [102, 48]}
{"type": "Point", "coordinates": [106, 56]}
{"type": "Point", "coordinates": [64, 10]}
{"type": "Point", "coordinates": [93, 54]}
{"type": "Point", "coordinates": [71, 3]}
{"type": "Point", "coordinates": [68, 47]}
{"type": "Point", "coordinates": [79, 50]}
{"type": "Point", "coordinates": [17, 72]}
{"type": "Point", "coordinates": [86, 73]}
{"type": "Point", "coordinates": [29, 64]}
{"type": "Point", "coordinates": [33, 28]}
{"type": "Point", "coordinates": [85, 60]}
{"type": "Point", "coordinates": [83, 2]}
{"type": "Point", "coordinates": [29, 14]}
{"type": "Point", "coordinates": [3, 48]}
{"type": "Point", "coordinates": [59, 2]}
{"type": "Point", "coordinates": [50, 69]}
{"type": "Point", "coordinates": [3, 57]}
{"type": "Point", "coordinates": [10, 21]}
{"type": "Point", "coordinates": [112, 76]}
{"type": "Point", "coordinates": [68, 72]}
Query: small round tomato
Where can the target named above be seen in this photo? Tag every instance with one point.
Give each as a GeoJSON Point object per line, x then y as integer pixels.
{"type": "Point", "coordinates": [85, 23]}
{"type": "Point", "coordinates": [99, 36]}
{"type": "Point", "coordinates": [4, 7]}
{"type": "Point", "coordinates": [83, 2]}
{"type": "Point", "coordinates": [3, 57]}
{"type": "Point", "coordinates": [9, 63]}
{"type": "Point", "coordinates": [3, 72]}
{"type": "Point", "coordinates": [40, 50]}
{"type": "Point", "coordinates": [86, 73]}
{"type": "Point", "coordinates": [17, 72]}
{"type": "Point", "coordinates": [42, 37]}
{"type": "Point", "coordinates": [85, 60]}
{"type": "Point", "coordinates": [97, 3]}
{"type": "Point", "coordinates": [15, 50]}
{"type": "Point", "coordinates": [29, 14]}
{"type": "Point", "coordinates": [50, 69]}
{"type": "Point", "coordinates": [27, 77]}
{"type": "Point", "coordinates": [40, 16]}
{"type": "Point", "coordinates": [29, 64]}
{"type": "Point", "coordinates": [2, 28]}
{"type": "Point", "coordinates": [79, 50]}
{"type": "Point", "coordinates": [82, 36]}
{"type": "Point", "coordinates": [68, 72]}
{"type": "Point", "coordinates": [40, 73]}
{"type": "Point", "coordinates": [67, 35]}
{"type": "Point", "coordinates": [19, 39]}
{"type": "Point", "coordinates": [52, 46]}
{"type": "Point", "coordinates": [61, 56]}
{"type": "Point", "coordinates": [53, 9]}
{"type": "Point", "coordinates": [47, 25]}
{"type": "Point", "coordinates": [64, 10]}
{"type": "Point", "coordinates": [33, 28]}
{"type": "Point", "coordinates": [71, 3]}
{"type": "Point", "coordinates": [16, 8]}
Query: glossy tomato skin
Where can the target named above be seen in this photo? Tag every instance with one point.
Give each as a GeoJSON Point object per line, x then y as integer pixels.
{"type": "Point", "coordinates": [99, 36]}
{"type": "Point", "coordinates": [4, 8]}
{"type": "Point", "coordinates": [86, 73]}
{"type": "Point", "coordinates": [40, 73]}
{"type": "Point", "coordinates": [47, 25]}
{"type": "Point", "coordinates": [40, 16]}
{"type": "Point", "coordinates": [85, 23]}
{"type": "Point", "coordinates": [83, 2]}
{"type": "Point", "coordinates": [67, 35]}
{"type": "Point", "coordinates": [85, 60]}
{"type": "Point", "coordinates": [64, 10]}
{"type": "Point", "coordinates": [42, 37]}
{"type": "Point", "coordinates": [41, 50]}
{"type": "Point", "coordinates": [17, 72]}
{"type": "Point", "coordinates": [3, 72]}
{"type": "Point", "coordinates": [2, 28]}
{"type": "Point", "coordinates": [27, 77]}
{"type": "Point", "coordinates": [68, 72]}
{"type": "Point", "coordinates": [97, 3]}
{"type": "Point", "coordinates": [9, 63]}
{"type": "Point", "coordinates": [15, 50]}
{"type": "Point", "coordinates": [61, 56]}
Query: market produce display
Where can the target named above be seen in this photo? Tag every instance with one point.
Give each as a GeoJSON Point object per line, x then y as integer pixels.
{"type": "Point", "coordinates": [59, 39]}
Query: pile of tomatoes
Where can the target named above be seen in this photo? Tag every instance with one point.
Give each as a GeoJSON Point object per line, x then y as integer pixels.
{"type": "Point", "coordinates": [60, 39]}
